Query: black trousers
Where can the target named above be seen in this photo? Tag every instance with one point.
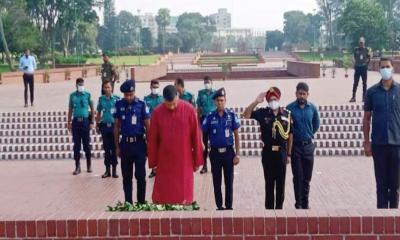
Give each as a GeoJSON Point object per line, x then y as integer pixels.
{"type": "Point", "coordinates": [274, 165]}
{"type": "Point", "coordinates": [302, 167]}
{"type": "Point", "coordinates": [81, 136]}
{"type": "Point", "coordinates": [360, 72]}
{"type": "Point", "coordinates": [222, 162]}
{"type": "Point", "coordinates": [387, 175]}
{"type": "Point", "coordinates": [107, 134]}
{"type": "Point", "coordinates": [206, 146]}
{"type": "Point", "coordinates": [133, 154]}
{"type": "Point", "coordinates": [28, 82]}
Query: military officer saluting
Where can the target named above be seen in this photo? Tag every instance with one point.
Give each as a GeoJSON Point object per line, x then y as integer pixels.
{"type": "Point", "coordinates": [132, 120]}
{"type": "Point", "coordinates": [205, 105]}
{"type": "Point", "coordinates": [221, 126]}
{"type": "Point", "coordinates": [105, 125]}
{"type": "Point", "coordinates": [108, 72]}
{"type": "Point", "coordinates": [152, 101]}
{"type": "Point", "coordinates": [79, 104]}
{"type": "Point", "coordinates": [276, 134]}
{"type": "Point", "coordinates": [183, 94]}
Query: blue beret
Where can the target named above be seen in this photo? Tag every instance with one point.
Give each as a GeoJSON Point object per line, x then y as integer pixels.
{"type": "Point", "coordinates": [128, 86]}
{"type": "Point", "coordinates": [219, 93]}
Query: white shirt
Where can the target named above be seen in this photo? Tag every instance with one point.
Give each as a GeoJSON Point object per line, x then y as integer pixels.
{"type": "Point", "coordinates": [27, 64]}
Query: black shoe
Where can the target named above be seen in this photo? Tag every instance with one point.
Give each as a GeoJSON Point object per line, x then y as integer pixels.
{"type": "Point", "coordinates": [114, 172]}
{"type": "Point", "coordinates": [152, 174]}
{"type": "Point", "coordinates": [106, 174]}
{"type": "Point", "coordinates": [77, 170]}
{"type": "Point", "coordinates": [353, 100]}
{"type": "Point", "coordinates": [204, 170]}
{"type": "Point", "coordinates": [89, 166]}
{"type": "Point", "coordinates": [26, 105]}
{"type": "Point", "coordinates": [229, 208]}
{"type": "Point", "coordinates": [220, 208]}
{"type": "Point", "coordinates": [31, 104]}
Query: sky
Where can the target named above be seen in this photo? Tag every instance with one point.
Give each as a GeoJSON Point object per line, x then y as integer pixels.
{"type": "Point", "coordinates": [256, 14]}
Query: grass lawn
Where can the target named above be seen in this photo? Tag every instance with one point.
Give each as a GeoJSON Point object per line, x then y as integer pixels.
{"type": "Point", "coordinates": [128, 60]}
{"type": "Point", "coordinates": [4, 68]}
{"type": "Point", "coordinates": [309, 56]}
{"type": "Point", "coordinates": [227, 59]}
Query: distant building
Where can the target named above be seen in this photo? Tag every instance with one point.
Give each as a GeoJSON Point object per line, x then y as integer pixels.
{"type": "Point", "coordinates": [223, 19]}
{"type": "Point", "coordinates": [148, 20]}
{"type": "Point", "coordinates": [234, 32]}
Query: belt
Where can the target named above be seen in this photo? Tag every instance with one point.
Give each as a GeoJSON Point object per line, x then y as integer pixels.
{"type": "Point", "coordinates": [221, 150]}
{"type": "Point", "coordinates": [303, 143]}
{"type": "Point", "coordinates": [133, 139]}
{"type": "Point", "coordinates": [273, 148]}
{"type": "Point", "coordinates": [80, 119]}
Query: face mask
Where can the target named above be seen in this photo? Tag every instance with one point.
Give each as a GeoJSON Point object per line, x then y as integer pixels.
{"type": "Point", "coordinates": [81, 88]}
{"type": "Point", "coordinates": [274, 105]}
{"type": "Point", "coordinates": [386, 73]}
{"type": "Point", "coordinates": [207, 86]}
{"type": "Point", "coordinates": [155, 91]}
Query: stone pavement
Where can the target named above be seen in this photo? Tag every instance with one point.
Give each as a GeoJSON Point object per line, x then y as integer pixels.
{"type": "Point", "coordinates": [31, 188]}
{"type": "Point", "coordinates": [323, 91]}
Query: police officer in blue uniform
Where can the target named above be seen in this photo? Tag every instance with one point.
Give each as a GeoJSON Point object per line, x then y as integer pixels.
{"type": "Point", "coordinates": [132, 120]}
{"type": "Point", "coordinates": [105, 125]}
{"type": "Point", "coordinates": [221, 126]}
{"type": "Point", "coordinates": [79, 104]}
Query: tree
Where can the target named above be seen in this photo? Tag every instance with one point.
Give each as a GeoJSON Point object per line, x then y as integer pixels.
{"type": "Point", "coordinates": [74, 13]}
{"type": "Point", "coordinates": [163, 19]}
{"type": "Point", "coordinates": [365, 19]}
{"type": "Point", "coordinates": [295, 25]}
{"type": "Point", "coordinates": [107, 38]}
{"type": "Point", "coordinates": [195, 31]}
{"type": "Point", "coordinates": [5, 45]}
{"type": "Point", "coordinates": [173, 42]}
{"type": "Point", "coordinates": [147, 39]}
{"type": "Point", "coordinates": [274, 39]}
{"type": "Point", "coordinates": [330, 9]}
{"type": "Point", "coordinates": [128, 26]}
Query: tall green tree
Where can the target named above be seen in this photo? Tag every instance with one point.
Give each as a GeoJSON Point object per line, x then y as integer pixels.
{"type": "Point", "coordinates": [128, 26]}
{"type": "Point", "coordinates": [146, 39]}
{"type": "Point", "coordinates": [274, 39]}
{"type": "Point", "coordinates": [367, 19]}
{"type": "Point", "coordinates": [195, 31]}
{"type": "Point", "coordinates": [107, 38]}
{"type": "Point", "coordinates": [295, 25]}
{"type": "Point", "coordinates": [163, 19]}
{"type": "Point", "coordinates": [331, 10]}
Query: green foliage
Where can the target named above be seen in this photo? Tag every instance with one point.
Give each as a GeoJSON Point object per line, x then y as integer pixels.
{"type": "Point", "coordinates": [274, 39]}
{"type": "Point", "coordinates": [365, 19]}
{"type": "Point", "coordinates": [301, 28]}
{"type": "Point", "coordinates": [195, 31]}
{"type": "Point", "coordinates": [71, 59]}
{"type": "Point", "coordinates": [147, 207]}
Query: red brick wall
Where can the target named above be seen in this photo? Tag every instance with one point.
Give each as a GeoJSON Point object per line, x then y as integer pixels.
{"type": "Point", "coordinates": [206, 225]}
{"type": "Point", "coordinates": [148, 73]}
{"type": "Point", "coordinates": [303, 69]}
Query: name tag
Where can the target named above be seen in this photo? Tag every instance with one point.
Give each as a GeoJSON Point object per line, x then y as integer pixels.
{"type": "Point", "coordinates": [112, 110]}
{"type": "Point", "coordinates": [227, 133]}
{"type": "Point", "coordinates": [104, 74]}
{"type": "Point", "coordinates": [361, 57]}
{"type": "Point", "coordinates": [134, 120]}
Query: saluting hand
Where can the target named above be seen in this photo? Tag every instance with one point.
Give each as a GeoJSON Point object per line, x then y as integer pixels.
{"type": "Point", "coordinates": [367, 149]}
{"type": "Point", "coordinates": [260, 98]}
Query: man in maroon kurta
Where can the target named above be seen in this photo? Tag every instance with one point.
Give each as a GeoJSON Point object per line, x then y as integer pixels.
{"type": "Point", "coordinates": [174, 149]}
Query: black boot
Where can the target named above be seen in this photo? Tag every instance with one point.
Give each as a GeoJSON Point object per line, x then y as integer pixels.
{"type": "Point", "coordinates": [89, 165]}
{"type": "Point", "coordinates": [107, 173]}
{"type": "Point", "coordinates": [114, 172]}
{"type": "Point", "coordinates": [204, 169]}
{"type": "Point", "coordinates": [77, 169]}
{"type": "Point", "coordinates": [152, 174]}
